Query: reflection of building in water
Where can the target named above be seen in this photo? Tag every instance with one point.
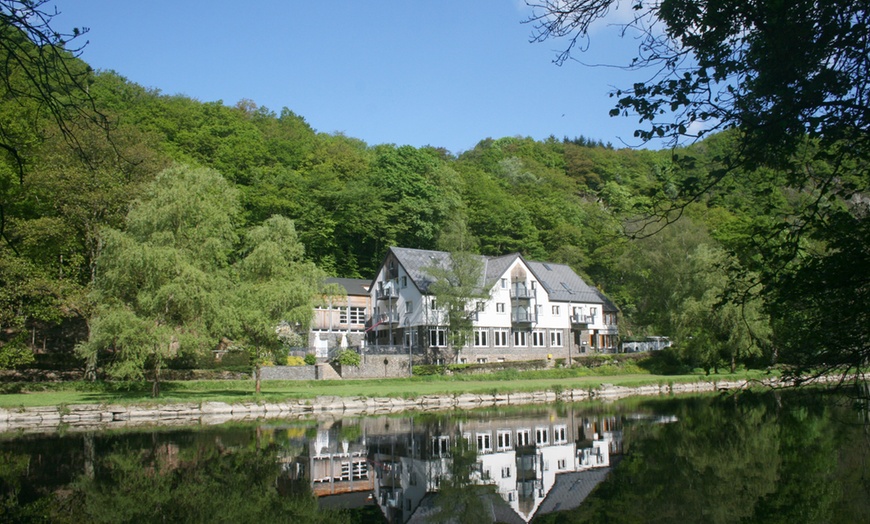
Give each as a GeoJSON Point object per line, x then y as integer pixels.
{"type": "Point", "coordinates": [334, 460]}
{"type": "Point", "coordinates": [535, 461]}
{"type": "Point", "coordinates": [521, 456]}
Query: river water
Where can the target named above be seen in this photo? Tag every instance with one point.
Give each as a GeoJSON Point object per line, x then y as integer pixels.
{"type": "Point", "coordinates": [741, 457]}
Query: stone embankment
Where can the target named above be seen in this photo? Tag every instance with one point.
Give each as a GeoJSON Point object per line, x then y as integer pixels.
{"type": "Point", "coordinates": [97, 417]}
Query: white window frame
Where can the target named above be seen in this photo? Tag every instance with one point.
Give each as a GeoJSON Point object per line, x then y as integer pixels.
{"type": "Point", "coordinates": [499, 307]}
{"type": "Point", "coordinates": [480, 338]}
{"type": "Point", "coordinates": [500, 337]}
{"type": "Point", "coordinates": [438, 336]}
{"type": "Point", "coordinates": [556, 338]}
{"type": "Point", "coordinates": [539, 339]}
{"type": "Point", "coordinates": [503, 439]}
{"type": "Point", "coordinates": [555, 310]}
{"type": "Point", "coordinates": [521, 339]}
{"type": "Point", "coordinates": [484, 442]}
{"type": "Point", "coordinates": [524, 437]}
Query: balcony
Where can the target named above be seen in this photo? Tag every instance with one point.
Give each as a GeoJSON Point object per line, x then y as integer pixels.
{"type": "Point", "coordinates": [521, 317]}
{"type": "Point", "coordinates": [387, 293]}
{"type": "Point", "coordinates": [382, 318]}
{"type": "Point", "coordinates": [582, 321]}
{"type": "Point", "coordinates": [521, 292]}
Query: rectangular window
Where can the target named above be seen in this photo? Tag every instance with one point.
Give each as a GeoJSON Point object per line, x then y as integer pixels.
{"type": "Point", "coordinates": [499, 307]}
{"type": "Point", "coordinates": [555, 310]}
{"type": "Point", "coordinates": [404, 282]}
{"type": "Point", "coordinates": [538, 339]}
{"type": "Point", "coordinates": [524, 437]}
{"type": "Point", "coordinates": [560, 434]}
{"type": "Point", "coordinates": [481, 360]}
{"type": "Point", "coordinates": [433, 305]}
{"type": "Point", "coordinates": [342, 315]}
{"type": "Point", "coordinates": [438, 338]}
{"type": "Point", "coordinates": [541, 436]}
{"type": "Point", "coordinates": [440, 446]}
{"type": "Point", "coordinates": [484, 442]}
{"type": "Point", "coordinates": [504, 283]}
{"type": "Point", "coordinates": [506, 472]}
{"type": "Point", "coordinates": [521, 339]}
{"type": "Point", "coordinates": [501, 338]}
{"type": "Point", "coordinates": [357, 315]}
{"type": "Point", "coordinates": [480, 306]}
{"type": "Point", "coordinates": [409, 306]}
{"type": "Point", "coordinates": [562, 464]}
{"type": "Point", "coordinates": [556, 338]}
{"type": "Point", "coordinates": [480, 338]}
{"type": "Point", "coordinates": [504, 440]}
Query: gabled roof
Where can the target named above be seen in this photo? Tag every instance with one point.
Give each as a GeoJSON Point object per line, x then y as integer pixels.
{"type": "Point", "coordinates": [353, 286]}
{"type": "Point", "coordinates": [559, 281]}
{"type": "Point", "coordinates": [571, 489]}
{"type": "Point", "coordinates": [562, 283]}
{"type": "Point", "coordinates": [496, 267]}
{"type": "Point", "coordinates": [417, 261]}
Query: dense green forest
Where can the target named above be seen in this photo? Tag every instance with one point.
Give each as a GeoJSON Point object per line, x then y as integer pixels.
{"type": "Point", "coordinates": [680, 259]}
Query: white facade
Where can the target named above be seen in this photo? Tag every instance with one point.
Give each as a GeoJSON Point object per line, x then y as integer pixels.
{"type": "Point", "coordinates": [534, 311]}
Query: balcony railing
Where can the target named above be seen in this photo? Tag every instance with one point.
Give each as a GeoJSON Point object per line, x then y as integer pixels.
{"type": "Point", "coordinates": [523, 317]}
{"type": "Point", "coordinates": [387, 293]}
{"type": "Point", "coordinates": [582, 319]}
{"type": "Point", "coordinates": [388, 318]}
{"type": "Point", "coordinates": [522, 293]}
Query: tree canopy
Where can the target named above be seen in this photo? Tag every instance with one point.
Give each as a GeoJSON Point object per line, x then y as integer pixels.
{"type": "Point", "coordinates": [791, 79]}
{"type": "Point", "coordinates": [773, 198]}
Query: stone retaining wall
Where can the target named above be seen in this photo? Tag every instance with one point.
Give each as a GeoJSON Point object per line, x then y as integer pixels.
{"type": "Point", "coordinates": [288, 373]}
{"type": "Point", "coordinates": [92, 417]}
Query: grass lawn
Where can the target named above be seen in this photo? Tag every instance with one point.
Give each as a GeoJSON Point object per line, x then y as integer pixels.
{"type": "Point", "coordinates": [234, 391]}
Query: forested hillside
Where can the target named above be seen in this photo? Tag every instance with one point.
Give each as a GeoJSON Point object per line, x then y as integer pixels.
{"type": "Point", "coordinates": [574, 200]}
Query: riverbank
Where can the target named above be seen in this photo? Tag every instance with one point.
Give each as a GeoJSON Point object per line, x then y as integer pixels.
{"type": "Point", "coordinates": [98, 417]}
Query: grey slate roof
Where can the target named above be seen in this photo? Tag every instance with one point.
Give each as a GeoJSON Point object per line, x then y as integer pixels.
{"type": "Point", "coordinates": [562, 283]}
{"type": "Point", "coordinates": [496, 266]}
{"type": "Point", "coordinates": [417, 261]}
{"type": "Point", "coordinates": [571, 489]}
{"type": "Point", "coordinates": [558, 280]}
{"type": "Point", "coordinates": [353, 286]}
{"type": "Point", "coordinates": [495, 507]}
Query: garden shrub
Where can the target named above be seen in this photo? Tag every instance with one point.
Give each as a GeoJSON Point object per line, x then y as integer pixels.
{"type": "Point", "coordinates": [293, 360]}
{"type": "Point", "coordinates": [348, 357]}
{"type": "Point", "coordinates": [426, 370]}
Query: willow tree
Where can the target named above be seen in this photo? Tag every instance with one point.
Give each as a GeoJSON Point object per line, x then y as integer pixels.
{"type": "Point", "coordinates": [162, 282]}
{"type": "Point", "coordinates": [275, 285]}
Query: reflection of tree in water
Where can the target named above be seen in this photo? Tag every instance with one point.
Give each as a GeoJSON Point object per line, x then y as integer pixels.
{"type": "Point", "coordinates": [210, 484]}
{"type": "Point", "coordinates": [744, 458]}
{"type": "Point", "coordinates": [461, 500]}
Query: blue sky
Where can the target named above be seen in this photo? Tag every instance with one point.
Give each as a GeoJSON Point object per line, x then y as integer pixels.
{"type": "Point", "coordinates": [446, 73]}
